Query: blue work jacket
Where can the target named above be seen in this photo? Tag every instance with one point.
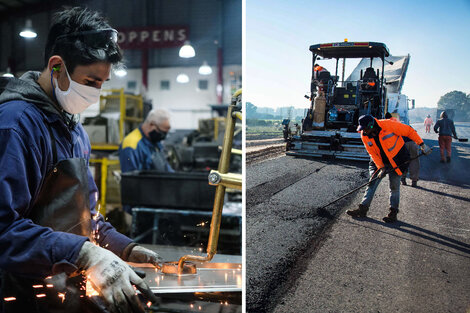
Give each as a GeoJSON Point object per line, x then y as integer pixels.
{"type": "Point", "coordinates": [25, 159]}
{"type": "Point", "coordinates": [136, 152]}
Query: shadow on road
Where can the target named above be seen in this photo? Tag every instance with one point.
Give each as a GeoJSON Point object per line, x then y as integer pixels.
{"type": "Point", "coordinates": [419, 232]}
{"type": "Point", "coordinates": [456, 173]}
{"type": "Point", "coordinates": [445, 194]}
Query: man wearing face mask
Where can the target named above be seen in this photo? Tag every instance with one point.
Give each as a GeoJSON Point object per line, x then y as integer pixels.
{"type": "Point", "coordinates": [47, 193]}
{"type": "Point", "coordinates": [142, 149]}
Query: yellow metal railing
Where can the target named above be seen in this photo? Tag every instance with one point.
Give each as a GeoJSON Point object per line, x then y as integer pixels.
{"type": "Point", "coordinates": [105, 162]}
{"type": "Point", "coordinates": [222, 179]}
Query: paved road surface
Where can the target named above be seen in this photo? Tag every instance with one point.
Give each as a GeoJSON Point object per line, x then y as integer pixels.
{"type": "Point", "coordinates": [300, 259]}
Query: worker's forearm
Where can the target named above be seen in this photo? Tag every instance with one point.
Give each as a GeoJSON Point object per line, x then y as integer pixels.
{"type": "Point", "coordinates": [35, 251]}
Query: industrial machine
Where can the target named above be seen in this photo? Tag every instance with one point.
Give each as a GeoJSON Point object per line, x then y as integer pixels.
{"type": "Point", "coordinates": [374, 87]}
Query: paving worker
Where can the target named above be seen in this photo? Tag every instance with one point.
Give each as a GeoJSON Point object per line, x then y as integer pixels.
{"type": "Point", "coordinates": [445, 127]}
{"type": "Point", "coordinates": [413, 149]}
{"type": "Point", "coordinates": [384, 143]}
{"type": "Point", "coordinates": [47, 192]}
{"type": "Point", "coordinates": [317, 71]}
{"type": "Point", "coordinates": [142, 148]}
{"type": "Point", "coordinates": [428, 123]}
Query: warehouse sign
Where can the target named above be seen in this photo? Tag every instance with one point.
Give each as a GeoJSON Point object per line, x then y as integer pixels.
{"type": "Point", "coordinates": [153, 37]}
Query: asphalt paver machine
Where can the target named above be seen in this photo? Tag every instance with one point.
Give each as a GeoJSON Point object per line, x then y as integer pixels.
{"type": "Point", "coordinates": [329, 127]}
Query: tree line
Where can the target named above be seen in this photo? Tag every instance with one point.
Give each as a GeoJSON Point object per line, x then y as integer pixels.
{"type": "Point", "coordinates": [457, 101]}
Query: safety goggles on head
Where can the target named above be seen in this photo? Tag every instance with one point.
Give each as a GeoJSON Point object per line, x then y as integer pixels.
{"type": "Point", "coordinates": [97, 38]}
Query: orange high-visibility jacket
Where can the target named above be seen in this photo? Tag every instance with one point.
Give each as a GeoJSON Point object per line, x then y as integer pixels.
{"type": "Point", "coordinates": [391, 141]}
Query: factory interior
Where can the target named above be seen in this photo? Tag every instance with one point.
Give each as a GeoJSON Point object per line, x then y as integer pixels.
{"type": "Point", "coordinates": [183, 57]}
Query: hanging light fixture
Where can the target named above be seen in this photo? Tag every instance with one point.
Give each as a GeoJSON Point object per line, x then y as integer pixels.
{"type": "Point", "coordinates": [182, 78]}
{"type": "Point", "coordinates": [8, 73]}
{"type": "Point", "coordinates": [28, 31]}
{"type": "Point", "coordinates": [205, 69]}
{"type": "Point", "coordinates": [187, 51]}
{"type": "Point", "coordinates": [120, 71]}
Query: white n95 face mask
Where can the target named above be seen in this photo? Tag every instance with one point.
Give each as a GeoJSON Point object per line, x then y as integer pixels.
{"type": "Point", "coordinates": [78, 97]}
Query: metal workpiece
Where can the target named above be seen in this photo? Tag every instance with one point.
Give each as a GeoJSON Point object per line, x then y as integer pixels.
{"type": "Point", "coordinates": [171, 268]}
{"type": "Point", "coordinates": [223, 168]}
{"type": "Point", "coordinates": [210, 277]}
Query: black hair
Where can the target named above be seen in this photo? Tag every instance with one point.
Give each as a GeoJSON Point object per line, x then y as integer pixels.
{"type": "Point", "coordinates": [72, 48]}
{"type": "Point", "coordinates": [388, 115]}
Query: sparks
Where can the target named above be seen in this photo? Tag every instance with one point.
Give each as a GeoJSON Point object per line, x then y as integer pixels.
{"type": "Point", "coordinates": [9, 299]}
{"type": "Point", "coordinates": [149, 304]}
{"type": "Point", "coordinates": [62, 296]}
{"type": "Point", "coordinates": [38, 286]}
{"type": "Point", "coordinates": [41, 295]}
{"type": "Point", "coordinates": [49, 285]}
{"type": "Point", "coordinates": [90, 291]}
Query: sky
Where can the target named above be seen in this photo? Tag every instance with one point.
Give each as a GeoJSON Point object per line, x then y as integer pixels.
{"type": "Point", "coordinates": [279, 33]}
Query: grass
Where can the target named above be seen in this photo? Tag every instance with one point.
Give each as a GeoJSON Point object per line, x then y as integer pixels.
{"type": "Point", "coordinates": [263, 132]}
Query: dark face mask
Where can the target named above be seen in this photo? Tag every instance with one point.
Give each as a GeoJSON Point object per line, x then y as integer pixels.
{"type": "Point", "coordinates": [156, 136]}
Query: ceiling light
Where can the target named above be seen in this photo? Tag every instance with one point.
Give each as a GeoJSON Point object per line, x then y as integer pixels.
{"type": "Point", "coordinates": [28, 31]}
{"type": "Point", "coordinates": [8, 73]}
{"type": "Point", "coordinates": [205, 69]}
{"type": "Point", "coordinates": [187, 51]}
{"type": "Point", "coordinates": [120, 72]}
{"type": "Point", "coordinates": [182, 78]}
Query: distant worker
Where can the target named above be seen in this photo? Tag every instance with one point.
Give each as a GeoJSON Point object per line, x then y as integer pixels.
{"type": "Point", "coordinates": [445, 127]}
{"type": "Point", "coordinates": [413, 149]}
{"type": "Point", "coordinates": [384, 143]}
{"type": "Point", "coordinates": [142, 149]}
{"type": "Point", "coordinates": [320, 78]}
{"type": "Point", "coordinates": [428, 123]}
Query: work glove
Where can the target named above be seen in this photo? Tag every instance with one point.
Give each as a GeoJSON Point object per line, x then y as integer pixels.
{"type": "Point", "coordinates": [425, 148]}
{"type": "Point", "coordinates": [112, 278]}
{"type": "Point", "coordinates": [142, 255]}
{"type": "Point", "coordinates": [455, 137]}
{"type": "Point", "coordinates": [382, 173]}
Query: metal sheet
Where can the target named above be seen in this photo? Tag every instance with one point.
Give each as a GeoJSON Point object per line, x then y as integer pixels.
{"type": "Point", "coordinates": [211, 277]}
{"type": "Point", "coordinates": [222, 274]}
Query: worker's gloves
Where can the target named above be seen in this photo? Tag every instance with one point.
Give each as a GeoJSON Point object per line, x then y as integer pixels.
{"type": "Point", "coordinates": [112, 278]}
{"type": "Point", "coordinates": [455, 137]}
{"type": "Point", "coordinates": [382, 173]}
{"type": "Point", "coordinates": [425, 148]}
{"type": "Point", "coordinates": [142, 255]}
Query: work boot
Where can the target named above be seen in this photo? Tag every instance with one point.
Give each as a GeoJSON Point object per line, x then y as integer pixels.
{"type": "Point", "coordinates": [443, 161]}
{"type": "Point", "coordinates": [392, 216]}
{"type": "Point", "coordinates": [359, 212]}
{"type": "Point", "coordinates": [403, 181]}
{"type": "Point", "coordinates": [414, 183]}
{"type": "Point", "coordinates": [448, 159]}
